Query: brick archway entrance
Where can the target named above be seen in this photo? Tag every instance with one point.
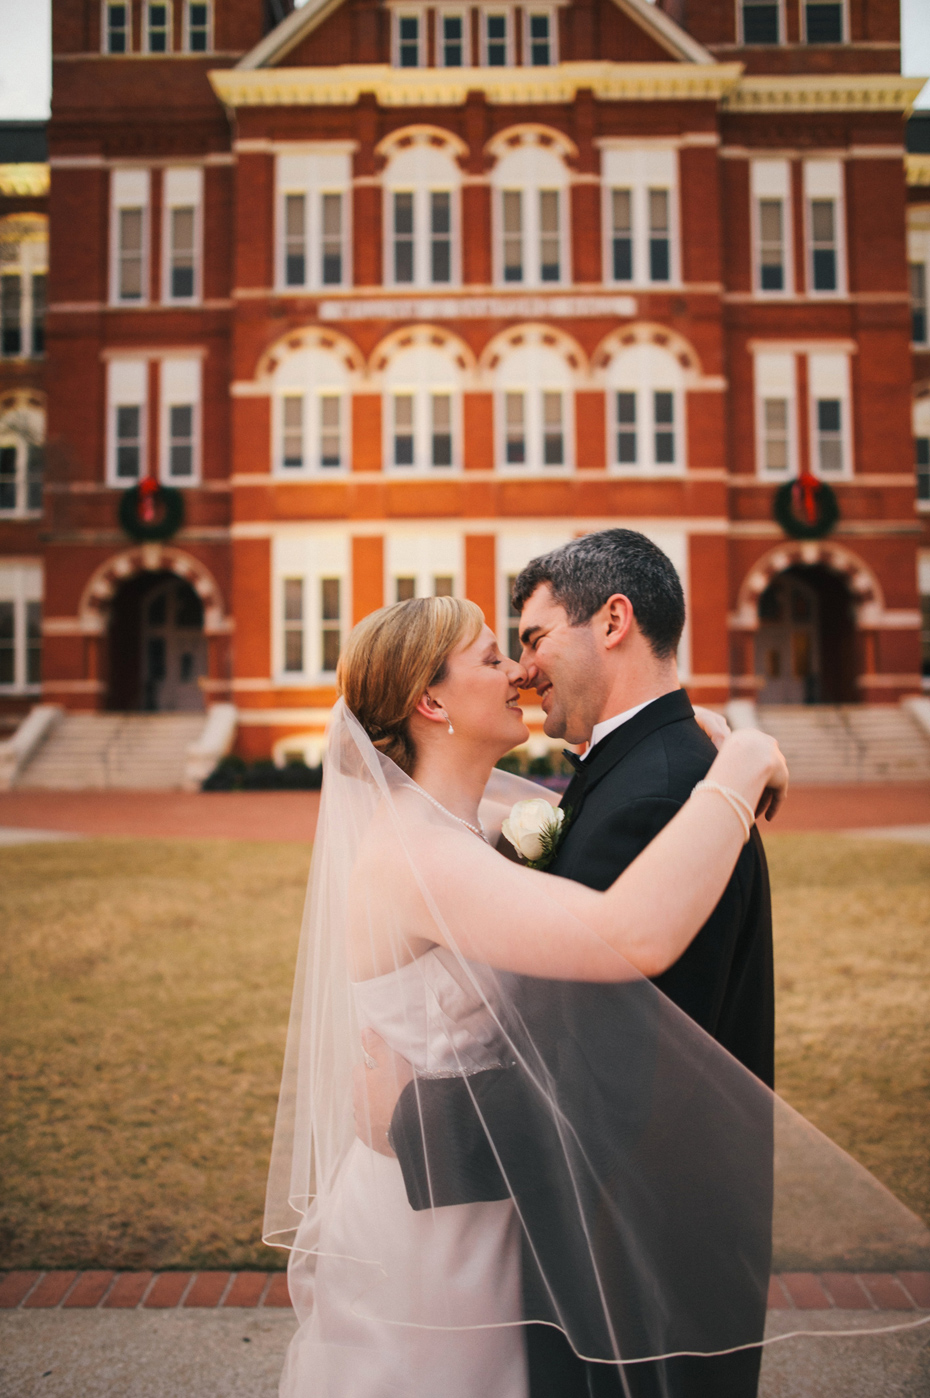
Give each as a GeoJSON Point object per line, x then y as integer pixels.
{"type": "Point", "coordinates": [805, 643]}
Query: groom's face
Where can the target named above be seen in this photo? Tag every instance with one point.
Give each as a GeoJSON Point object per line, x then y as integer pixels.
{"type": "Point", "coordinates": [563, 664]}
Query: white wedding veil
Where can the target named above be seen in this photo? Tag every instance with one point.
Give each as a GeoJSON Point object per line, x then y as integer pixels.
{"type": "Point", "coordinates": [652, 1181]}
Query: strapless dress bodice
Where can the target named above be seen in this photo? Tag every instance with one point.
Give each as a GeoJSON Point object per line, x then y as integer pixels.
{"type": "Point", "coordinates": [437, 1012]}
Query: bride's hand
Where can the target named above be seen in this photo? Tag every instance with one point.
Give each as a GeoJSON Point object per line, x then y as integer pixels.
{"type": "Point", "coordinates": [713, 724]}
{"type": "Point", "coordinates": [749, 761]}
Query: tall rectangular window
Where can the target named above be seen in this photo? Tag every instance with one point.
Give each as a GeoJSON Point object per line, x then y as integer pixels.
{"type": "Point", "coordinates": [775, 376]}
{"type": "Point", "coordinates": [443, 585]}
{"type": "Point", "coordinates": [823, 21]}
{"type": "Point", "coordinates": [514, 644]}
{"type": "Point", "coordinates": [180, 419]}
{"type": "Point", "coordinates": [621, 207]}
{"type": "Point", "coordinates": [663, 405]}
{"type": "Point", "coordinates": [408, 41]}
{"type": "Point", "coordinates": [512, 209]}
{"type": "Point", "coordinates": [771, 245]}
{"type": "Point", "coordinates": [20, 626]}
{"type": "Point", "coordinates": [331, 219]}
{"type": "Point", "coordinates": [35, 476]}
{"type": "Point", "coordinates": [330, 623]}
{"type": "Point", "coordinates": [330, 430]}
{"type": "Point", "coordinates": [198, 27]}
{"type": "Point", "coordinates": [540, 40]}
{"type": "Point", "coordinates": [33, 642]}
{"type": "Point", "coordinates": [295, 239]}
{"type": "Point", "coordinates": [760, 21]}
{"type": "Point", "coordinates": [8, 478]}
{"type": "Point", "coordinates": [775, 442]}
{"type": "Point", "coordinates": [405, 589]}
{"type": "Point", "coordinates": [292, 431]}
{"type": "Point", "coordinates": [659, 236]}
{"type": "Point", "coordinates": [922, 461]}
{"type": "Point", "coordinates": [627, 454]}
{"type": "Point", "coordinates": [453, 40]}
{"type": "Point", "coordinates": [129, 235]}
{"type": "Point", "coordinates": [182, 253]}
{"type": "Point", "coordinates": [127, 411]}
{"type": "Point", "coordinates": [918, 284]}
{"type": "Point", "coordinates": [128, 441]}
{"type": "Point", "coordinates": [440, 236]}
{"type": "Point", "coordinates": [403, 429]}
{"type": "Point", "coordinates": [11, 314]}
{"type": "Point", "coordinates": [157, 28]}
{"type": "Point", "coordinates": [515, 428]}
{"type": "Point", "coordinates": [403, 237]}
{"type": "Point", "coordinates": [39, 303]}
{"type": "Point", "coordinates": [7, 643]}
{"type": "Point", "coordinates": [823, 244]}
{"type": "Point", "coordinates": [495, 41]}
{"type": "Point", "coordinates": [117, 28]}
{"type": "Point", "coordinates": [830, 414]}
{"type": "Point", "coordinates": [829, 432]}
{"type": "Point", "coordinates": [549, 262]}
{"type": "Point", "coordinates": [294, 625]}
{"type": "Point", "coordinates": [441, 444]}
{"type": "Point", "coordinates": [131, 254]}
{"type": "Point", "coordinates": [181, 441]}
{"type": "Point", "coordinates": [553, 436]}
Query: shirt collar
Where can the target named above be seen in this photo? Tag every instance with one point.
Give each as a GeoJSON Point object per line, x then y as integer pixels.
{"type": "Point", "coordinates": [607, 725]}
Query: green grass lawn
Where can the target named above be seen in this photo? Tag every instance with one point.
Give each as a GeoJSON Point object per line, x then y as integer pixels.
{"type": "Point", "coordinates": [144, 993]}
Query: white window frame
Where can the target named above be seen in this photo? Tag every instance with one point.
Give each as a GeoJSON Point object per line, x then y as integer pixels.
{"type": "Point", "coordinates": [825, 179]}
{"type": "Point", "coordinates": [441, 13]}
{"type": "Point", "coordinates": [921, 429]}
{"type": "Point", "coordinates": [534, 429]}
{"type": "Point", "coordinates": [770, 180]}
{"type": "Point", "coordinates": [552, 14]}
{"type": "Point", "coordinates": [313, 173]}
{"type": "Point", "coordinates": [740, 27]}
{"type": "Point", "coordinates": [508, 16]}
{"type": "Point", "coordinates": [20, 422]}
{"type": "Point", "coordinates": [775, 377]}
{"type": "Point", "coordinates": [313, 556]}
{"type": "Point", "coordinates": [918, 251]}
{"type": "Point", "coordinates": [641, 169]}
{"type": "Point", "coordinates": [31, 261]}
{"type": "Point", "coordinates": [21, 584]}
{"type": "Point", "coordinates": [409, 12]}
{"type": "Point", "coordinates": [311, 430]}
{"type": "Point", "coordinates": [421, 170]}
{"type": "Point", "coordinates": [646, 370]}
{"type": "Point", "coordinates": [422, 428]}
{"type": "Point", "coordinates": [127, 387]}
{"type": "Point", "coordinates": [182, 188]}
{"type": "Point", "coordinates": [180, 385]}
{"type": "Point", "coordinates": [532, 235]}
{"type": "Point", "coordinates": [844, 23]}
{"type": "Point", "coordinates": [105, 28]}
{"type": "Point", "coordinates": [130, 188]}
{"type": "Point", "coordinates": [828, 377]}
{"type": "Point", "coordinates": [424, 557]}
{"type": "Point", "coordinates": [169, 31]}
{"type": "Point", "coordinates": [186, 41]}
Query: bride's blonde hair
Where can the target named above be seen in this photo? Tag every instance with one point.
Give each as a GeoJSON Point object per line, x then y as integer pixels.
{"type": "Point", "coordinates": [392, 656]}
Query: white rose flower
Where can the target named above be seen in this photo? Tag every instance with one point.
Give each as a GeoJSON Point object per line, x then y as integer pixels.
{"type": "Point", "coordinates": [528, 822]}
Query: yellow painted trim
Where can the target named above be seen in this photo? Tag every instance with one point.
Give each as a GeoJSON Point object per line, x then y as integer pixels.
{"type": "Point", "coordinates": [917, 168]}
{"type": "Point", "coordinates": [23, 180]}
{"type": "Point", "coordinates": [841, 92]}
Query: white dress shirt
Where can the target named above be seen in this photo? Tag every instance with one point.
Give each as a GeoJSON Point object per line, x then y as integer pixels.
{"type": "Point", "coordinates": [607, 725]}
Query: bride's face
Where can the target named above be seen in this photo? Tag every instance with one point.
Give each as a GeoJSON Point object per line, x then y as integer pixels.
{"type": "Point", "coordinates": [481, 694]}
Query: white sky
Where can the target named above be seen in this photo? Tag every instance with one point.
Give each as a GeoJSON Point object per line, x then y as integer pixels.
{"type": "Point", "coordinates": [25, 29]}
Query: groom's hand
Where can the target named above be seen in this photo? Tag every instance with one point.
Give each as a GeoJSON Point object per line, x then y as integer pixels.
{"type": "Point", "coordinates": [377, 1083]}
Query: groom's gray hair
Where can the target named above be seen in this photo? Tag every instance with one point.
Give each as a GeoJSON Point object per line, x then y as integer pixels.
{"type": "Point", "coordinates": [584, 573]}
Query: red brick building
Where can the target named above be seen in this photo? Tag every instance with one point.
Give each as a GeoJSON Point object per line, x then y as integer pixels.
{"type": "Point", "coordinates": [397, 295]}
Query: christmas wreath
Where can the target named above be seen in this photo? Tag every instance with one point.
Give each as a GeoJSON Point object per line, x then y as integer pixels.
{"type": "Point", "coordinates": [151, 511]}
{"type": "Point", "coordinates": [806, 508]}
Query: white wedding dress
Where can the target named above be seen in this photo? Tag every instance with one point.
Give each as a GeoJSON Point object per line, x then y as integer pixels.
{"type": "Point", "coordinates": [456, 1270]}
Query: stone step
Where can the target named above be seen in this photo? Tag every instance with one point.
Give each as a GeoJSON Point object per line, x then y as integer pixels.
{"type": "Point", "coordinates": [96, 751]}
{"type": "Point", "coordinates": [847, 743]}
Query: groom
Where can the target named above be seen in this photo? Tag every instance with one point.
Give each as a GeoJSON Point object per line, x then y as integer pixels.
{"type": "Point", "coordinates": [601, 619]}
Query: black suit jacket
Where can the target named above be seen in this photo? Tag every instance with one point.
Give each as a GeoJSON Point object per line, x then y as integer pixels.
{"type": "Point", "coordinates": [628, 788]}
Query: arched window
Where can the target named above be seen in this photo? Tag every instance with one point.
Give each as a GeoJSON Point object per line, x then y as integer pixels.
{"type": "Point", "coordinates": [531, 215]}
{"type": "Point", "coordinates": [23, 274]}
{"type": "Point", "coordinates": [312, 411]}
{"type": "Point", "coordinates": [421, 213]}
{"type": "Point", "coordinates": [423, 408]}
{"type": "Point", "coordinates": [534, 406]}
{"type": "Point", "coordinates": [645, 411]}
{"type": "Point", "coordinates": [22, 433]}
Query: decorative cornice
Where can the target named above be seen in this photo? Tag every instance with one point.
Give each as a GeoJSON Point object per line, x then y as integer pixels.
{"type": "Point", "coordinates": [23, 180]}
{"type": "Point", "coordinates": [448, 87]}
{"type": "Point", "coordinates": [814, 92]}
{"type": "Point", "coordinates": [917, 168]}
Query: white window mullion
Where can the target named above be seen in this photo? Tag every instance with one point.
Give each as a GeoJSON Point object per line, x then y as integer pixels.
{"type": "Point", "coordinates": [129, 237]}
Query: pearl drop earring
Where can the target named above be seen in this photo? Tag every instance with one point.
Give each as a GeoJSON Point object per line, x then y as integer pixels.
{"type": "Point", "coordinates": [451, 729]}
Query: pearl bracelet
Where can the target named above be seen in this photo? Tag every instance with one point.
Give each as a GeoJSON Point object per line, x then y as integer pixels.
{"type": "Point", "coordinates": [735, 800]}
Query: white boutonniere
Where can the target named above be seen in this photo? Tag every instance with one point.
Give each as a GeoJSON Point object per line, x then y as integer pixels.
{"type": "Point", "coordinates": [536, 829]}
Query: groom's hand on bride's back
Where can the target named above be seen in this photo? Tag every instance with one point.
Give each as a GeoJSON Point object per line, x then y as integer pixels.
{"type": "Point", "coordinates": [377, 1083]}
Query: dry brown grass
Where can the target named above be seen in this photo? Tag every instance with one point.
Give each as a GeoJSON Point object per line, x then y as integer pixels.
{"type": "Point", "coordinates": [144, 991]}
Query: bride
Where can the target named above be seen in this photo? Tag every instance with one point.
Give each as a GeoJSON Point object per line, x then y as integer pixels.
{"type": "Point", "coordinates": [418, 929]}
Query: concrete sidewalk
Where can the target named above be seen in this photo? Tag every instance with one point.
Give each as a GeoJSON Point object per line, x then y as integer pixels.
{"type": "Point", "coordinates": [239, 1354]}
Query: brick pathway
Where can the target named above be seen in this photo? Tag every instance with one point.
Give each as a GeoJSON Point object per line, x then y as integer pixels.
{"type": "Point", "coordinates": [291, 815]}
{"type": "Point", "coordinates": [820, 1291]}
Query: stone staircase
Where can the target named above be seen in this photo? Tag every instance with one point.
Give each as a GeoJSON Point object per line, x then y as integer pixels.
{"type": "Point", "coordinates": [827, 743]}
{"type": "Point", "coordinates": [96, 751]}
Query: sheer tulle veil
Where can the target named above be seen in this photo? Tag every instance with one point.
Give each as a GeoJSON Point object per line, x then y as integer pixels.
{"type": "Point", "coordinates": [672, 1177]}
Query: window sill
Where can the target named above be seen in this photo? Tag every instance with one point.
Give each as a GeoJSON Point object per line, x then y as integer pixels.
{"type": "Point", "coordinates": [647, 473]}
{"type": "Point", "coordinates": [12, 691]}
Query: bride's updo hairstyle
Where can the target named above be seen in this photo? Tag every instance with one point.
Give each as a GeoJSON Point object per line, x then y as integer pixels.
{"type": "Point", "coordinates": [392, 656]}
